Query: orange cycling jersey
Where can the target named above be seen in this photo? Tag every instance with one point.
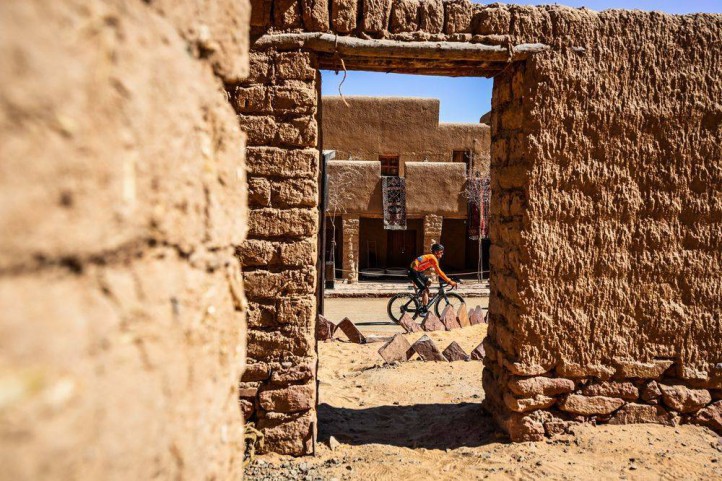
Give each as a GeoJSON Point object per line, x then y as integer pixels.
{"type": "Point", "coordinates": [427, 261]}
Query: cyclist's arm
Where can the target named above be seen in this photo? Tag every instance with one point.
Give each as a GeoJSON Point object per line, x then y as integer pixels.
{"type": "Point", "coordinates": [438, 270]}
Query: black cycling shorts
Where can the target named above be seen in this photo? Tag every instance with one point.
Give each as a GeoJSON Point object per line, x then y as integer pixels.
{"type": "Point", "coordinates": [418, 278]}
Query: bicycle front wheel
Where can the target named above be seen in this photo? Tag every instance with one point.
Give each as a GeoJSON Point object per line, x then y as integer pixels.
{"type": "Point", "coordinates": [402, 304]}
{"type": "Point", "coordinates": [450, 298]}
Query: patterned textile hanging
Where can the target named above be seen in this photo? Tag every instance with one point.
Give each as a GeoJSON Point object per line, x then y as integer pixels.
{"type": "Point", "coordinates": [394, 202]}
{"type": "Point", "coordinates": [484, 207]}
{"type": "Point", "coordinates": [477, 225]}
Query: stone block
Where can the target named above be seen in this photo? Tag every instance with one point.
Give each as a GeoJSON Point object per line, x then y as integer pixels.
{"type": "Point", "coordinates": [259, 192]}
{"type": "Point", "coordinates": [248, 390]}
{"type": "Point", "coordinates": [351, 331]}
{"type": "Point", "coordinates": [261, 315]}
{"type": "Point", "coordinates": [409, 324]}
{"type": "Point", "coordinates": [251, 100]}
{"type": "Point", "coordinates": [462, 317]}
{"type": "Point", "coordinates": [343, 15]}
{"type": "Point", "coordinates": [431, 16]}
{"type": "Point", "coordinates": [295, 66]}
{"type": "Point", "coordinates": [650, 392]}
{"type": "Point", "coordinates": [295, 100]}
{"type": "Point", "coordinates": [522, 405]}
{"type": "Point", "coordinates": [296, 311]}
{"type": "Point", "coordinates": [274, 161]}
{"type": "Point", "coordinates": [300, 253]}
{"type": "Point", "coordinates": [263, 284]}
{"type": "Point", "coordinates": [476, 316]}
{"type": "Point", "coordinates": [540, 385]}
{"type": "Point", "coordinates": [590, 406]}
{"type": "Point", "coordinates": [521, 427]}
{"type": "Point", "coordinates": [625, 390]}
{"type": "Point", "coordinates": [642, 413]}
{"type": "Point", "coordinates": [287, 14]}
{"type": "Point", "coordinates": [283, 223]}
{"type": "Point", "coordinates": [432, 323]}
{"type": "Point", "coordinates": [260, 68]}
{"type": "Point", "coordinates": [642, 370]}
{"type": "Point", "coordinates": [454, 352]}
{"type": "Point", "coordinates": [293, 193]}
{"type": "Point", "coordinates": [448, 318]}
{"type": "Point", "coordinates": [259, 129]}
{"type": "Point", "coordinates": [253, 252]}
{"type": "Point", "coordinates": [683, 399]}
{"type": "Point", "coordinates": [458, 15]}
{"type": "Point", "coordinates": [427, 350]}
{"type": "Point", "coordinates": [280, 344]}
{"type": "Point", "coordinates": [255, 372]}
{"type": "Point", "coordinates": [404, 16]}
{"type": "Point", "coordinates": [288, 434]}
{"type": "Point", "coordinates": [324, 328]}
{"type": "Point", "coordinates": [293, 374]}
{"type": "Point", "coordinates": [376, 15]}
{"type": "Point", "coordinates": [315, 15]}
{"type": "Point", "coordinates": [301, 132]}
{"type": "Point", "coordinates": [478, 353]}
{"type": "Point", "coordinates": [247, 408]}
{"type": "Point", "coordinates": [397, 349]}
{"type": "Point", "coordinates": [573, 370]}
{"type": "Point", "coordinates": [711, 416]}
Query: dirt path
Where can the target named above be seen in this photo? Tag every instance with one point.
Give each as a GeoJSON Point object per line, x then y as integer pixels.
{"type": "Point", "coordinates": [423, 421]}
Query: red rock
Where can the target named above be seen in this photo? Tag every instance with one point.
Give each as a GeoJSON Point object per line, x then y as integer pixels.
{"type": "Point", "coordinates": [556, 427]}
{"type": "Point", "coordinates": [289, 399]}
{"type": "Point", "coordinates": [522, 427]}
{"type": "Point", "coordinates": [409, 324]}
{"type": "Point", "coordinates": [247, 408]}
{"type": "Point", "coordinates": [711, 416]}
{"type": "Point", "coordinates": [522, 405]}
{"type": "Point", "coordinates": [624, 390]}
{"type": "Point", "coordinates": [397, 349]}
{"type": "Point", "coordinates": [448, 318]}
{"type": "Point", "coordinates": [642, 413]}
{"type": "Point", "coordinates": [256, 372]}
{"type": "Point", "coordinates": [547, 386]}
{"type": "Point", "coordinates": [324, 328]}
{"type": "Point", "coordinates": [650, 392]}
{"type": "Point", "coordinates": [478, 353]}
{"type": "Point", "coordinates": [248, 390]}
{"type": "Point", "coordinates": [476, 316]}
{"type": "Point", "coordinates": [432, 323]}
{"type": "Point", "coordinates": [293, 374]}
{"type": "Point", "coordinates": [351, 331]}
{"type": "Point", "coordinates": [588, 406]}
{"type": "Point", "coordinates": [454, 352]}
{"type": "Point", "coordinates": [643, 370]}
{"type": "Point", "coordinates": [574, 370]}
{"type": "Point", "coordinates": [683, 399]}
{"type": "Point", "coordinates": [427, 350]}
{"type": "Point", "coordinates": [462, 317]}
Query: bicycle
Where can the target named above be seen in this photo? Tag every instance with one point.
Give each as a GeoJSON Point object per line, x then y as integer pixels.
{"type": "Point", "coordinates": [407, 303]}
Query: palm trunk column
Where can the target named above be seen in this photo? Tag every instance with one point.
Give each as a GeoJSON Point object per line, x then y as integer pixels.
{"type": "Point", "coordinates": [350, 230]}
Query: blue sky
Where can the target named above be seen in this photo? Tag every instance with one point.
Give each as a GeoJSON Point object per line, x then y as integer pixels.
{"type": "Point", "coordinates": [455, 93]}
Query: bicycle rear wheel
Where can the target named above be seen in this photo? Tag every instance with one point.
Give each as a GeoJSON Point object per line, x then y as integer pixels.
{"type": "Point", "coordinates": [452, 298]}
{"type": "Point", "coordinates": [402, 304]}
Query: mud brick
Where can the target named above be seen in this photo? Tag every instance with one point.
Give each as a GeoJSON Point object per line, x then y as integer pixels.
{"type": "Point", "coordinates": [427, 350]}
{"type": "Point", "coordinates": [454, 352]}
{"type": "Point", "coordinates": [478, 353]}
{"type": "Point", "coordinates": [683, 399]}
{"type": "Point", "coordinates": [432, 323]}
{"type": "Point", "coordinates": [448, 318]}
{"type": "Point", "coordinates": [324, 328]}
{"type": "Point", "coordinates": [351, 331]}
{"type": "Point", "coordinates": [589, 406]}
{"type": "Point", "coordinates": [409, 324]}
{"type": "Point", "coordinates": [462, 317]}
{"type": "Point", "coordinates": [397, 349]}
{"type": "Point", "coordinates": [476, 316]}
{"type": "Point", "coordinates": [642, 413]}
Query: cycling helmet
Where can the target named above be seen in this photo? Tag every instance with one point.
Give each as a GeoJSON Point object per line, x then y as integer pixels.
{"type": "Point", "coordinates": [437, 248]}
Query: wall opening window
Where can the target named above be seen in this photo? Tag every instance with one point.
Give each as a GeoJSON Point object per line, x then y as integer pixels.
{"type": "Point", "coordinates": [389, 164]}
{"type": "Point", "coordinates": [463, 156]}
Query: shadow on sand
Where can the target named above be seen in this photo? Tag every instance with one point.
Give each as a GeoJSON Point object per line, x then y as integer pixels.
{"type": "Point", "coordinates": [430, 426]}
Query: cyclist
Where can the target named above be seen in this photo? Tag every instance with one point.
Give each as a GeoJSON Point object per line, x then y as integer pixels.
{"type": "Point", "coordinates": [424, 262]}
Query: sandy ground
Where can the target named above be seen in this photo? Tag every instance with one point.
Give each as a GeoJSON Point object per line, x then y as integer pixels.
{"type": "Point", "coordinates": [423, 421]}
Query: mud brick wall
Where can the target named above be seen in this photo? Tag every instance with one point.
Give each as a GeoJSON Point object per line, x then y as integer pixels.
{"type": "Point", "coordinates": [122, 199]}
{"type": "Point", "coordinates": [606, 223]}
{"type": "Point", "coordinates": [277, 106]}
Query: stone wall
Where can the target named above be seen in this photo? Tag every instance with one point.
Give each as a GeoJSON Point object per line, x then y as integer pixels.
{"type": "Point", "coordinates": [122, 198]}
{"type": "Point", "coordinates": [277, 106]}
{"type": "Point", "coordinates": [606, 222]}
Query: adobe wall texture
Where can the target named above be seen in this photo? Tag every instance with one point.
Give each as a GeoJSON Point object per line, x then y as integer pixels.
{"type": "Point", "coordinates": [606, 223]}
{"type": "Point", "coordinates": [122, 198]}
{"type": "Point", "coordinates": [363, 128]}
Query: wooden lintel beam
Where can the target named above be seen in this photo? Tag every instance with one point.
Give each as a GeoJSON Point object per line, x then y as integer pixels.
{"type": "Point", "coordinates": [393, 49]}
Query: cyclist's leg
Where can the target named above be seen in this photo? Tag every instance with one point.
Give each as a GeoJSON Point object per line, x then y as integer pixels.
{"type": "Point", "coordinates": [425, 290]}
